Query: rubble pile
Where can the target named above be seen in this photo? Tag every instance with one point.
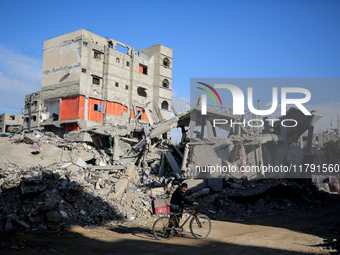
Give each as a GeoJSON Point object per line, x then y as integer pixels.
{"type": "Point", "coordinates": [43, 199]}
{"type": "Point", "coordinates": [108, 173]}
{"type": "Point", "coordinates": [80, 184]}
{"type": "Point", "coordinates": [260, 197]}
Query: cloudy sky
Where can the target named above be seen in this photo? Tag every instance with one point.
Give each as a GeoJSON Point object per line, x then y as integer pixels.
{"type": "Point", "coordinates": [241, 39]}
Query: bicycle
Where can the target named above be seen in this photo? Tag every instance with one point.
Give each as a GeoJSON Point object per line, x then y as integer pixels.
{"type": "Point", "coordinates": [200, 225]}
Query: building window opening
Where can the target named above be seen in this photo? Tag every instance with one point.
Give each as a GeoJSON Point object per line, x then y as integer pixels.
{"type": "Point", "coordinates": [117, 84]}
{"type": "Point", "coordinates": [143, 69]}
{"type": "Point", "coordinates": [97, 55]}
{"type": "Point", "coordinates": [12, 117]}
{"type": "Point", "coordinates": [55, 116]}
{"type": "Point", "coordinates": [165, 83]}
{"type": "Point", "coordinates": [166, 62]}
{"type": "Point", "coordinates": [98, 107]}
{"type": "Point", "coordinates": [127, 63]}
{"type": "Point", "coordinates": [110, 44]}
{"type": "Point", "coordinates": [96, 80]}
{"type": "Point", "coordinates": [34, 118]}
{"type": "Point", "coordinates": [83, 70]}
{"type": "Point", "coordinates": [117, 60]}
{"type": "Point", "coordinates": [26, 120]}
{"type": "Point", "coordinates": [126, 87]}
{"type": "Point", "coordinates": [122, 49]}
{"type": "Point", "coordinates": [141, 92]}
{"type": "Point", "coordinates": [85, 43]}
{"type": "Point", "coordinates": [165, 105]}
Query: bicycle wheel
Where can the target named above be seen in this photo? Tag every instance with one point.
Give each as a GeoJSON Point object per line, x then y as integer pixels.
{"type": "Point", "coordinates": [200, 226]}
{"type": "Point", "coordinates": [162, 230]}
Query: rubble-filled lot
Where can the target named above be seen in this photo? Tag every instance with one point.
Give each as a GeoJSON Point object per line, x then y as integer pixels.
{"type": "Point", "coordinates": [50, 184]}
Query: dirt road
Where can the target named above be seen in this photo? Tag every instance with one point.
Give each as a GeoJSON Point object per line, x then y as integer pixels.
{"type": "Point", "coordinates": [284, 233]}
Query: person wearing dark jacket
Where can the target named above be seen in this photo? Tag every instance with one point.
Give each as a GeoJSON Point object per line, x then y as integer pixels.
{"type": "Point", "coordinates": [178, 200]}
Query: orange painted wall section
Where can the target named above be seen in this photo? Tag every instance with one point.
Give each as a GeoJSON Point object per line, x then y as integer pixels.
{"type": "Point", "coordinates": [143, 117]}
{"type": "Point", "coordinates": [72, 108]}
{"type": "Point", "coordinates": [114, 108]}
{"type": "Point", "coordinates": [132, 115]}
{"type": "Point", "coordinates": [81, 107]}
{"type": "Point", "coordinates": [95, 115]}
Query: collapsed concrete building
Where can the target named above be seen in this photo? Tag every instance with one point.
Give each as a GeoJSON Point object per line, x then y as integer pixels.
{"type": "Point", "coordinates": [87, 80]}
{"type": "Point", "coordinates": [321, 137]}
{"type": "Point", "coordinates": [110, 172]}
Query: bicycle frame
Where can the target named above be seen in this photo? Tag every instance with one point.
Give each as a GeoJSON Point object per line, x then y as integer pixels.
{"type": "Point", "coordinates": [192, 213]}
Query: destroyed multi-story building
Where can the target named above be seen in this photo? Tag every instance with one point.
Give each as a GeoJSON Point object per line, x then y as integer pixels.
{"type": "Point", "coordinates": [11, 122]}
{"type": "Point", "coordinates": [33, 111]}
{"type": "Point", "coordinates": [87, 80]}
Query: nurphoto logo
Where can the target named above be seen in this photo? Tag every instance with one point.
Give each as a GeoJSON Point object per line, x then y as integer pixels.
{"type": "Point", "coordinates": [238, 102]}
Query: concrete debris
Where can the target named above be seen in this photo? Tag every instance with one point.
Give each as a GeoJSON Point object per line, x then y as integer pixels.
{"type": "Point", "coordinates": [104, 174]}
{"type": "Point", "coordinates": [80, 182]}
{"type": "Point", "coordinates": [201, 192]}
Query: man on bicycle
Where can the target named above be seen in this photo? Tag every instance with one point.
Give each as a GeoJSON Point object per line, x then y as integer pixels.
{"type": "Point", "coordinates": [178, 200]}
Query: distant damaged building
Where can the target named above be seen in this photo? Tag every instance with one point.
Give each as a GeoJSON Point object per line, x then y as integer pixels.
{"type": "Point", "coordinates": [235, 150]}
{"type": "Point", "coordinates": [88, 80]}
{"type": "Point", "coordinates": [11, 122]}
{"type": "Point", "coordinates": [33, 112]}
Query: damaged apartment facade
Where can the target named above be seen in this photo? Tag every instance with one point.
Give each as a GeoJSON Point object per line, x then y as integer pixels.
{"type": "Point", "coordinates": [89, 80]}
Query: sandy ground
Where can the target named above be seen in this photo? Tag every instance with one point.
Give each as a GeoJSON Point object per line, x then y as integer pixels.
{"type": "Point", "coordinates": [288, 232]}
{"type": "Point", "coordinates": [48, 154]}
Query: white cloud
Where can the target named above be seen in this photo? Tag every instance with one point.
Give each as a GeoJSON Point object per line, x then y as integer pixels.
{"type": "Point", "coordinates": [329, 111]}
{"type": "Point", "coordinates": [19, 75]}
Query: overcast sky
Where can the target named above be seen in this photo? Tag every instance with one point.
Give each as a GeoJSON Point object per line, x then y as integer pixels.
{"type": "Point", "coordinates": [241, 39]}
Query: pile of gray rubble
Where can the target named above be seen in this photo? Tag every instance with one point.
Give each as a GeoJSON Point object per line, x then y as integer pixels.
{"type": "Point", "coordinates": [111, 173]}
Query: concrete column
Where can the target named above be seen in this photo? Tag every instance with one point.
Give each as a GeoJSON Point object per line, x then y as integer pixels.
{"type": "Point", "coordinates": [193, 118]}
{"type": "Point", "coordinates": [210, 131]}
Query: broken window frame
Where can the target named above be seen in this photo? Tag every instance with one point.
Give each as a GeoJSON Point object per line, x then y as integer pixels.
{"type": "Point", "coordinates": [166, 62]}
{"type": "Point", "coordinates": [110, 45]}
{"type": "Point", "coordinates": [144, 70]}
{"type": "Point", "coordinates": [166, 83]}
{"type": "Point", "coordinates": [141, 92]}
{"type": "Point", "coordinates": [97, 55]}
{"type": "Point", "coordinates": [95, 80]}
{"type": "Point", "coordinates": [97, 107]}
